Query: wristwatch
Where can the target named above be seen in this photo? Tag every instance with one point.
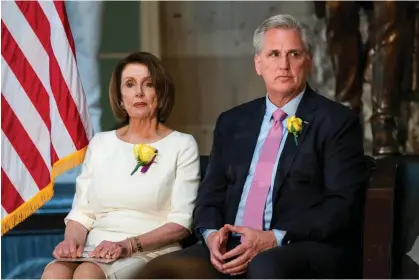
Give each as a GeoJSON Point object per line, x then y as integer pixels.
{"type": "Point", "coordinates": [139, 247]}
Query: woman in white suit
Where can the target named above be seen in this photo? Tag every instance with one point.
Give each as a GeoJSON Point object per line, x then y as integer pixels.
{"type": "Point", "coordinates": [135, 196]}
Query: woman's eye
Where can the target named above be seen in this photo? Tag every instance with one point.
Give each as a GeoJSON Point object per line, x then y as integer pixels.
{"type": "Point", "coordinates": [129, 84]}
{"type": "Point", "coordinates": [149, 84]}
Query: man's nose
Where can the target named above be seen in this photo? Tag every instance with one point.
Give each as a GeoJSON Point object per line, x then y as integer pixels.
{"type": "Point", "coordinates": [284, 63]}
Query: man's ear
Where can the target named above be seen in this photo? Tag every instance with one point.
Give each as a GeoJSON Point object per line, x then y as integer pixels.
{"type": "Point", "coordinates": [257, 64]}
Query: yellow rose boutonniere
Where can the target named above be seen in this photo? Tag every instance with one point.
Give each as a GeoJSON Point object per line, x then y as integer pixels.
{"type": "Point", "coordinates": [294, 126]}
{"type": "Point", "coordinates": [145, 156]}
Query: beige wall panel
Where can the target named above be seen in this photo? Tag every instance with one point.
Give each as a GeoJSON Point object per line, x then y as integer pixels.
{"type": "Point", "coordinates": [207, 48]}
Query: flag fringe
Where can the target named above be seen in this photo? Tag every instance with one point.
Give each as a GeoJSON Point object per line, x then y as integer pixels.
{"type": "Point", "coordinates": [67, 163]}
{"type": "Point", "coordinates": [26, 209]}
{"type": "Point", "coordinates": [44, 195]}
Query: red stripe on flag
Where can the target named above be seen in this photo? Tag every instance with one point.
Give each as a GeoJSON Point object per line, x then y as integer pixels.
{"type": "Point", "coordinates": [54, 156]}
{"type": "Point", "coordinates": [60, 6]}
{"type": "Point", "coordinates": [10, 198]}
{"type": "Point", "coordinates": [25, 74]}
{"type": "Point", "coordinates": [23, 145]}
{"type": "Point", "coordinates": [65, 103]}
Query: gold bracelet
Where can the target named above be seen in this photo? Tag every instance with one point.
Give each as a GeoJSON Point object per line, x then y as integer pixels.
{"type": "Point", "coordinates": [132, 243]}
{"type": "Point", "coordinates": [130, 247]}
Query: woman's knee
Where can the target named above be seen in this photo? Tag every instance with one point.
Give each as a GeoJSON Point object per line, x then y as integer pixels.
{"type": "Point", "coordinates": [59, 270]}
{"type": "Point", "coordinates": [89, 270]}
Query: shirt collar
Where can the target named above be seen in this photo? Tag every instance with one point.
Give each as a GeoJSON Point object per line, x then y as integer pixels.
{"type": "Point", "coordinates": [290, 108]}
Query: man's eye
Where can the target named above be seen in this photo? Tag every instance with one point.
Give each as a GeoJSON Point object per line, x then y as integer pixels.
{"type": "Point", "coordinates": [294, 54]}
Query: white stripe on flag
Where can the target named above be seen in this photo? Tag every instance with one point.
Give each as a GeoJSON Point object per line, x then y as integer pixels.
{"type": "Point", "coordinates": [67, 62]}
{"type": "Point", "coordinates": [61, 140]}
{"type": "Point", "coordinates": [3, 213]}
{"type": "Point", "coordinates": [37, 56]}
{"type": "Point", "coordinates": [27, 41]}
{"type": "Point", "coordinates": [26, 112]}
{"type": "Point", "coordinates": [16, 171]}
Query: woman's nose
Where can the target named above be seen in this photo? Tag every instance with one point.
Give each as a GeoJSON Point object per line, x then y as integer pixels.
{"type": "Point", "coordinates": [139, 91]}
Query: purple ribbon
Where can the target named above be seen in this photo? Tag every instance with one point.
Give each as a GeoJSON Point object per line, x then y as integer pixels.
{"type": "Point", "coordinates": [144, 168]}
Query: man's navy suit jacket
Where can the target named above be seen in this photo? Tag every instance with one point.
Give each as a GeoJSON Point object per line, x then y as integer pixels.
{"type": "Point", "coordinates": [319, 185]}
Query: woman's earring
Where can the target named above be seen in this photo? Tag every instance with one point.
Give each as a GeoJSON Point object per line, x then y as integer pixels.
{"type": "Point", "coordinates": [122, 104]}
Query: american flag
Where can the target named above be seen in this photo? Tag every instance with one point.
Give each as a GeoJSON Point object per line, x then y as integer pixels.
{"type": "Point", "coordinates": [45, 126]}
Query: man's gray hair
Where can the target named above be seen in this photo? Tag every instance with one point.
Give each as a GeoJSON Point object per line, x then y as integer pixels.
{"type": "Point", "coordinates": [283, 22]}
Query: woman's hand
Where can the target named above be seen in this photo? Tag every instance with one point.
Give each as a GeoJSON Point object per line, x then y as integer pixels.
{"type": "Point", "coordinates": [114, 250]}
{"type": "Point", "coordinates": [68, 248]}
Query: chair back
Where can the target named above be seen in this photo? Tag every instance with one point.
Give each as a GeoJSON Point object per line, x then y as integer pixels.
{"type": "Point", "coordinates": [406, 218]}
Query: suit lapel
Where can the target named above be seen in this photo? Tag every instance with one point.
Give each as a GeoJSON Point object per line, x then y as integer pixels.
{"type": "Point", "coordinates": [305, 111]}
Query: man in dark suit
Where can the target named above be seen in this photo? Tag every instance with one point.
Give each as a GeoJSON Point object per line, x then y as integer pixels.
{"type": "Point", "coordinates": [282, 195]}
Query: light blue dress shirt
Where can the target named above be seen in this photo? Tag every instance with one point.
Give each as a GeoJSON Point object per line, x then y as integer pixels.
{"type": "Point", "coordinates": [290, 109]}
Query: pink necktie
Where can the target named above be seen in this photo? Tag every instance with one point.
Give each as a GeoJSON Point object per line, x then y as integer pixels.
{"type": "Point", "coordinates": [256, 199]}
